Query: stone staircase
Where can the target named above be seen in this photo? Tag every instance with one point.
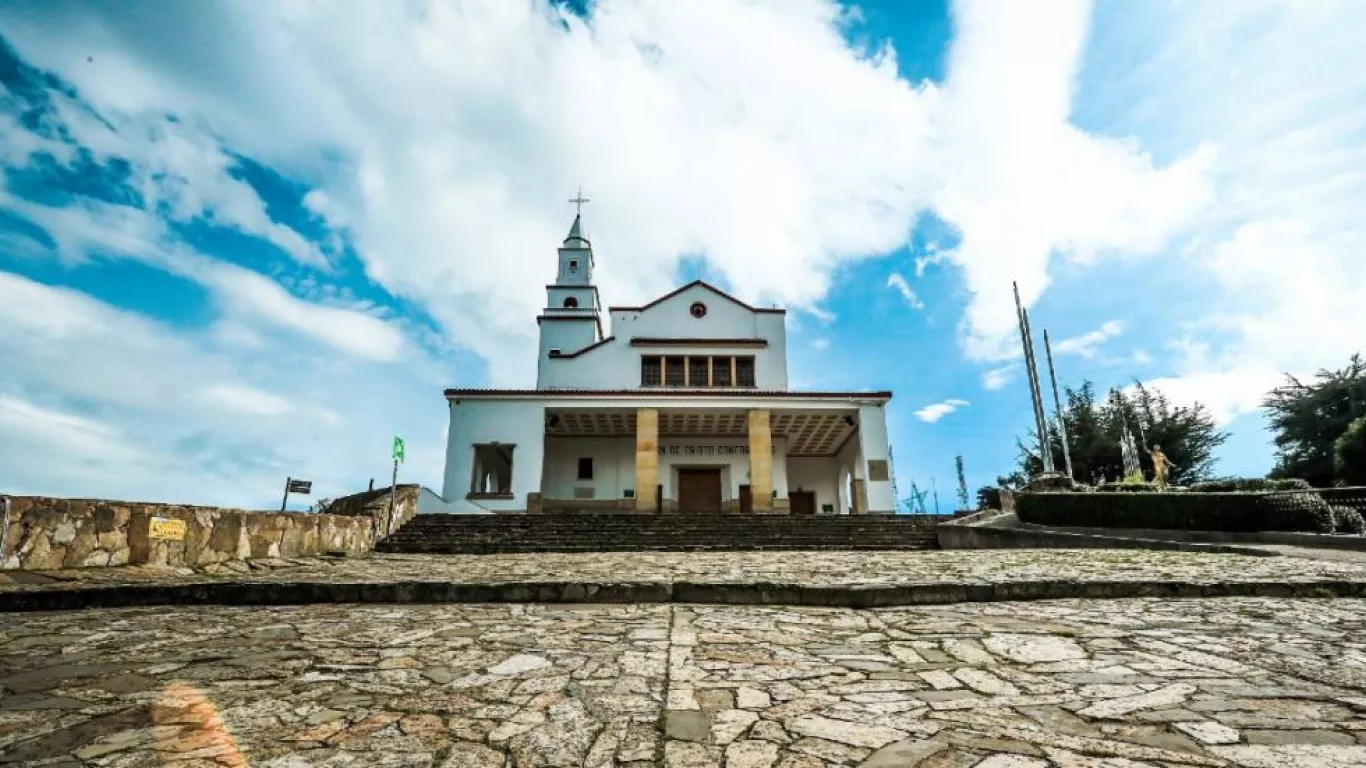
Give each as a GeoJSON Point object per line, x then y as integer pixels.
{"type": "Point", "coordinates": [635, 532]}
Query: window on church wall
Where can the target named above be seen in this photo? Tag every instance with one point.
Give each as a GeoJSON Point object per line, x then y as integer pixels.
{"type": "Point", "coordinates": [720, 371]}
{"type": "Point", "coordinates": [492, 476]}
{"type": "Point", "coordinates": [697, 372]}
{"type": "Point", "coordinates": [586, 468]}
{"type": "Point", "coordinates": [651, 372]}
{"type": "Point", "coordinates": [744, 371]}
{"type": "Point", "coordinates": [673, 371]}
{"type": "Point", "coordinates": [573, 265]}
{"type": "Point", "coordinates": [571, 303]}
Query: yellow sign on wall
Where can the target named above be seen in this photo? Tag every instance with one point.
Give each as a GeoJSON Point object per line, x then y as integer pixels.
{"type": "Point", "coordinates": [168, 528]}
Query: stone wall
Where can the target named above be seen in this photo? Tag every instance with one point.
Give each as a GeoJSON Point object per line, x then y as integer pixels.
{"type": "Point", "coordinates": [375, 505]}
{"type": "Point", "coordinates": [49, 533]}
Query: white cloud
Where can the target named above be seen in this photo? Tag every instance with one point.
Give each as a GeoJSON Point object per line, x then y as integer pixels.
{"type": "Point", "coordinates": [932, 257]}
{"type": "Point", "coordinates": [441, 145]}
{"type": "Point", "coordinates": [246, 400]}
{"type": "Point", "coordinates": [1022, 183]}
{"type": "Point", "coordinates": [93, 455]}
{"type": "Point", "coordinates": [1278, 264]}
{"type": "Point", "coordinates": [250, 295]}
{"type": "Point", "coordinates": [105, 402]}
{"type": "Point", "coordinates": [997, 378]}
{"type": "Point", "coordinates": [936, 411]}
{"type": "Point", "coordinates": [897, 282]}
{"type": "Point", "coordinates": [820, 343]}
{"type": "Point", "coordinates": [1087, 344]}
{"type": "Point", "coordinates": [91, 228]}
{"type": "Point", "coordinates": [753, 133]}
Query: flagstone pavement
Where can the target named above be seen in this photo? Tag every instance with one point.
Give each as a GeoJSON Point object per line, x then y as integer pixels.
{"type": "Point", "coordinates": [1259, 682]}
{"type": "Point", "coordinates": [813, 568]}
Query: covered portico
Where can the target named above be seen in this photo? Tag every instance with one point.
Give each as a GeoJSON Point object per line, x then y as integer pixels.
{"type": "Point", "coordinates": [781, 452]}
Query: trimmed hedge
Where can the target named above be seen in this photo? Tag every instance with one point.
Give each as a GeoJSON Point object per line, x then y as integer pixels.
{"type": "Point", "coordinates": [1348, 520]}
{"type": "Point", "coordinates": [1237, 512]}
{"type": "Point", "coordinates": [1354, 498]}
{"type": "Point", "coordinates": [1122, 487]}
{"type": "Point", "coordinates": [1250, 485]}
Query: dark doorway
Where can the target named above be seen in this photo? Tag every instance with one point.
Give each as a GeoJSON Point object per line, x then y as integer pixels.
{"type": "Point", "coordinates": [746, 500]}
{"type": "Point", "coordinates": [802, 502]}
{"type": "Point", "coordinates": [699, 490]}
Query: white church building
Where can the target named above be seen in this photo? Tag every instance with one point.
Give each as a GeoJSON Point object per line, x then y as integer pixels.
{"type": "Point", "coordinates": [679, 405]}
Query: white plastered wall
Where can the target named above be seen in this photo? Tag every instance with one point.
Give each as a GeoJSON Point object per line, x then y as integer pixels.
{"type": "Point", "coordinates": [872, 440]}
{"type": "Point", "coordinates": [616, 364]}
{"type": "Point", "coordinates": [517, 422]}
{"type": "Point", "coordinates": [614, 468]}
{"type": "Point", "coordinates": [818, 474]}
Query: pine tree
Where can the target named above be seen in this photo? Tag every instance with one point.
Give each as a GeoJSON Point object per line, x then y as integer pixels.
{"type": "Point", "coordinates": [1309, 419]}
{"type": "Point", "coordinates": [1187, 435]}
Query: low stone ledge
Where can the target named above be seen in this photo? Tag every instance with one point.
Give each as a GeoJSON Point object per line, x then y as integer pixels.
{"type": "Point", "coordinates": [244, 593]}
{"type": "Point", "coordinates": [1004, 531]}
{"type": "Point", "coordinates": [1287, 538]}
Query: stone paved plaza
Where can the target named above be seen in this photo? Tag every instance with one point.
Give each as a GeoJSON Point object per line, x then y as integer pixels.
{"type": "Point", "coordinates": [1266, 682]}
{"type": "Point", "coordinates": [813, 568]}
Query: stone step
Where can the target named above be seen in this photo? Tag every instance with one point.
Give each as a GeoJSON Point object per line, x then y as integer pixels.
{"type": "Point", "coordinates": [469, 548]}
{"type": "Point", "coordinates": [832, 540]}
{"type": "Point", "coordinates": [629, 531]}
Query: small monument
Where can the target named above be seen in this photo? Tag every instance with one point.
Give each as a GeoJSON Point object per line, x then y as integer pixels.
{"type": "Point", "coordinates": [1161, 465]}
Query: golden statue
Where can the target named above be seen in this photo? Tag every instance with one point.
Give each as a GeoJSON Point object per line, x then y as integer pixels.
{"type": "Point", "coordinates": [1161, 465]}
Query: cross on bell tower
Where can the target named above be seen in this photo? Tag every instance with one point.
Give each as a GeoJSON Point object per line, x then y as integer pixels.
{"type": "Point", "coordinates": [572, 300]}
{"type": "Point", "coordinates": [578, 201]}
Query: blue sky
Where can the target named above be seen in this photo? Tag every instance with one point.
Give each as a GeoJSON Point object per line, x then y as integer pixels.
{"type": "Point", "coordinates": [240, 241]}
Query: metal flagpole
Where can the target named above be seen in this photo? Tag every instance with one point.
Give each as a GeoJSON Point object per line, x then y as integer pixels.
{"type": "Point", "coordinates": [399, 451]}
{"type": "Point", "coordinates": [1045, 454]}
{"type": "Point", "coordinates": [1057, 405]}
{"type": "Point", "coordinates": [285, 500]}
{"type": "Point", "coordinates": [1048, 465]}
{"type": "Point", "coordinates": [393, 498]}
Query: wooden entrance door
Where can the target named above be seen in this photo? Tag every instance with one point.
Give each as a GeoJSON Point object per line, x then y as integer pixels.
{"type": "Point", "coordinates": [699, 490]}
{"type": "Point", "coordinates": [802, 502]}
{"type": "Point", "coordinates": [746, 500]}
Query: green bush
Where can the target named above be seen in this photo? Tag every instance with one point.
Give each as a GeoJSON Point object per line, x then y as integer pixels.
{"type": "Point", "coordinates": [1128, 487]}
{"type": "Point", "coordinates": [1298, 511]}
{"type": "Point", "coordinates": [1235, 512]}
{"type": "Point", "coordinates": [1249, 485]}
{"type": "Point", "coordinates": [1348, 520]}
{"type": "Point", "coordinates": [988, 497]}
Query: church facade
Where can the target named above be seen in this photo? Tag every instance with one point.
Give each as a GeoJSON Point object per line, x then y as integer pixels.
{"type": "Point", "coordinates": [679, 405]}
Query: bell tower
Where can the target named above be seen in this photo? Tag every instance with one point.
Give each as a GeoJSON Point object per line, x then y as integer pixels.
{"type": "Point", "coordinates": [572, 317]}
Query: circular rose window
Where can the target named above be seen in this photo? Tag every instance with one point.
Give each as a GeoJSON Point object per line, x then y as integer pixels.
{"type": "Point", "coordinates": [698, 309]}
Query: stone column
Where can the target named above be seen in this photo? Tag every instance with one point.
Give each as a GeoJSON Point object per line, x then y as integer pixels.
{"type": "Point", "coordinates": [860, 496]}
{"type": "Point", "coordinates": [760, 461]}
{"type": "Point", "coordinates": [647, 459]}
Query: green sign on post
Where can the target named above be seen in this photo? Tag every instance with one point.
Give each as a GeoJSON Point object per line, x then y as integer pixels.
{"type": "Point", "coordinates": [398, 448]}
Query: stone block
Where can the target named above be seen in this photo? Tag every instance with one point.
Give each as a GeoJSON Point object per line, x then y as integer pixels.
{"type": "Point", "coordinates": [80, 547]}
{"type": "Point", "coordinates": [222, 539]}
